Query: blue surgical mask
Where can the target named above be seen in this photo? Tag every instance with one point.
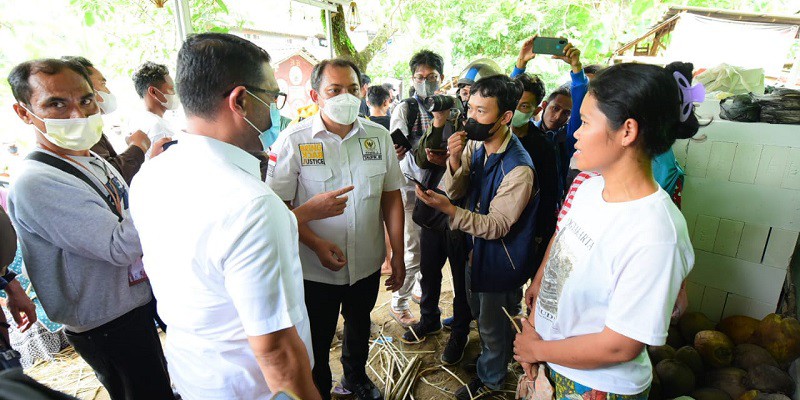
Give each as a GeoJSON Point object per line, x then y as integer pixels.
{"type": "Point", "coordinates": [269, 135]}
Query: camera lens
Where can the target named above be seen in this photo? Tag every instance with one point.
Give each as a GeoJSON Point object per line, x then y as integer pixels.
{"type": "Point", "coordinates": [439, 103]}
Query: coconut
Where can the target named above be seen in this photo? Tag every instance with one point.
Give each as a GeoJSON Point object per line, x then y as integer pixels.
{"type": "Point", "coordinates": [769, 379]}
{"type": "Point", "coordinates": [677, 379]}
{"type": "Point", "coordinates": [746, 356]}
{"type": "Point", "coordinates": [738, 327]}
{"type": "Point", "coordinates": [730, 380]}
{"type": "Point", "coordinates": [715, 348]}
{"type": "Point", "coordinates": [780, 337]}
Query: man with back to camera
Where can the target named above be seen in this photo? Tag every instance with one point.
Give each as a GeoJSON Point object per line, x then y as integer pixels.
{"type": "Point", "coordinates": [129, 161]}
{"type": "Point", "coordinates": [378, 100]}
{"type": "Point", "coordinates": [228, 280]}
{"type": "Point", "coordinates": [342, 256]}
{"type": "Point", "coordinates": [79, 244]}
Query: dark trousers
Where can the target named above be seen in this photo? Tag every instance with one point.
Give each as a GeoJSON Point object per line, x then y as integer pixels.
{"type": "Point", "coordinates": [153, 304]}
{"type": "Point", "coordinates": [435, 248]}
{"type": "Point", "coordinates": [323, 302]}
{"type": "Point", "coordinates": [126, 356]}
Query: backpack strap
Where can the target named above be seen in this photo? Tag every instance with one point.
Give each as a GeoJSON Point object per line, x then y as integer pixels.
{"type": "Point", "coordinates": [68, 168]}
{"type": "Point", "coordinates": [412, 113]}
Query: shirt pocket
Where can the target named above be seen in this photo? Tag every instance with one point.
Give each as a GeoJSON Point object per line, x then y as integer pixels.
{"type": "Point", "coordinates": [316, 179]}
{"type": "Point", "coordinates": [375, 176]}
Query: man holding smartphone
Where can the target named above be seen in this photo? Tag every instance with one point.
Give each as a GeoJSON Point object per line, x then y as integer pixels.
{"type": "Point", "coordinates": [561, 110]}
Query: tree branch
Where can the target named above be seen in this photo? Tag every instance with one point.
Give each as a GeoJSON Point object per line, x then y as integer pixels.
{"type": "Point", "coordinates": [377, 43]}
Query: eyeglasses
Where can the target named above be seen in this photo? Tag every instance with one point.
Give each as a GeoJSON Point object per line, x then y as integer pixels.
{"type": "Point", "coordinates": [278, 96]}
{"type": "Point", "coordinates": [432, 77]}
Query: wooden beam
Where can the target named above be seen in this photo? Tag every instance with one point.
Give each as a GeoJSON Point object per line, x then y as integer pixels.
{"type": "Point", "coordinates": [655, 29]}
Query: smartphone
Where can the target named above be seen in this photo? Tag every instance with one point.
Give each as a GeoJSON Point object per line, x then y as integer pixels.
{"type": "Point", "coordinates": [400, 139]}
{"type": "Point", "coordinates": [440, 152]}
{"type": "Point", "coordinates": [549, 45]}
{"type": "Point", "coordinates": [412, 179]}
{"type": "Point", "coordinates": [170, 143]}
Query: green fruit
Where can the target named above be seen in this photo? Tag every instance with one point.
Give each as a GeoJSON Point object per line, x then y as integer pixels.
{"type": "Point", "coordinates": [689, 356]}
{"type": "Point", "coordinates": [710, 394]}
{"type": "Point", "coordinates": [660, 353]}
{"type": "Point", "coordinates": [677, 379]}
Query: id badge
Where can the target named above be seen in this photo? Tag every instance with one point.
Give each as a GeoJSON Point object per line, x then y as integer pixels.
{"type": "Point", "coordinates": [136, 274]}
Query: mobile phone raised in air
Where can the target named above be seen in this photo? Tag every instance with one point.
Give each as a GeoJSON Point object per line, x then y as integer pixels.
{"type": "Point", "coordinates": [549, 45]}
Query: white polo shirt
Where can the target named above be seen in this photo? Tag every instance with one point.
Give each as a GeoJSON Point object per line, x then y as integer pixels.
{"type": "Point", "coordinates": [308, 159]}
{"type": "Point", "coordinates": [221, 251]}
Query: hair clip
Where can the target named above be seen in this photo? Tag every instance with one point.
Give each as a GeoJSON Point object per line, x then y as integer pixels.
{"type": "Point", "coordinates": [688, 95]}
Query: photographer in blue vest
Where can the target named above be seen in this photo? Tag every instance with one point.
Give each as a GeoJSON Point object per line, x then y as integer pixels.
{"type": "Point", "coordinates": [489, 169]}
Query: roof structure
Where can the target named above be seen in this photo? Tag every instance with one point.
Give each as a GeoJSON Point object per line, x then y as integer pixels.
{"type": "Point", "coordinates": [644, 47]}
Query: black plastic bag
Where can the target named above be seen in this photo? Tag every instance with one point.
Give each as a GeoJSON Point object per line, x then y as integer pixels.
{"type": "Point", "coordinates": [782, 106]}
{"type": "Point", "coordinates": [741, 108]}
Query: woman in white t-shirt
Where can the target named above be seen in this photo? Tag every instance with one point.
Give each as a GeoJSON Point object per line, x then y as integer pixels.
{"type": "Point", "coordinates": [620, 253]}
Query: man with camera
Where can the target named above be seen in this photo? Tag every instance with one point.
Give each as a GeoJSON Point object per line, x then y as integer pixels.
{"type": "Point", "coordinates": [411, 118]}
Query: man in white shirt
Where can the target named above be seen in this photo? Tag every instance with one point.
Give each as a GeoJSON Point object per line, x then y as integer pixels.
{"type": "Point", "coordinates": [228, 279]}
{"type": "Point", "coordinates": [156, 88]}
{"type": "Point", "coordinates": [341, 256]}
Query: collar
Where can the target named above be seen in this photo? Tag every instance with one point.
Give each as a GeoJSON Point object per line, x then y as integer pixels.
{"type": "Point", "coordinates": [503, 147]}
{"type": "Point", "coordinates": [318, 127]}
{"type": "Point", "coordinates": [204, 146]}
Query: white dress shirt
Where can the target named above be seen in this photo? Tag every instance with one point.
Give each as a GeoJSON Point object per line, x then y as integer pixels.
{"type": "Point", "coordinates": [221, 251]}
{"type": "Point", "coordinates": [308, 159]}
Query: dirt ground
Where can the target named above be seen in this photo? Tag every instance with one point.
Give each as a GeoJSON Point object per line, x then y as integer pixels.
{"type": "Point", "coordinates": [69, 374]}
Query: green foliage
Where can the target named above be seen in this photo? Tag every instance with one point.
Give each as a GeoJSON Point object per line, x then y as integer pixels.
{"type": "Point", "coordinates": [151, 32]}
{"type": "Point", "coordinates": [496, 29]}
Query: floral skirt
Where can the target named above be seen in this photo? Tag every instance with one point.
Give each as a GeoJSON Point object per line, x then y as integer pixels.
{"type": "Point", "coordinates": [567, 389]}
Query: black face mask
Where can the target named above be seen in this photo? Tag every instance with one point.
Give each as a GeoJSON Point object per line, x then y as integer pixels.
{"type": "Point", "coordinates": [478, 131]}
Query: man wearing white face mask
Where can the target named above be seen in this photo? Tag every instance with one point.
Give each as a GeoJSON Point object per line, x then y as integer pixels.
{"type": "Point", "coordinates": [81, 250]}
{"type": "Point", "coordinates": [129, 161]}
{"type": "Point", "coordinates": [157, 90]}
{"type": "Point", "coordinates": [341, 256]}
{"type": "Point", "coordinates": [413, 120]}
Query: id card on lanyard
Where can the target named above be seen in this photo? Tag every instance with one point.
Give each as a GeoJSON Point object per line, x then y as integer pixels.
{"type": "Point", "coordinates": [136, 274]}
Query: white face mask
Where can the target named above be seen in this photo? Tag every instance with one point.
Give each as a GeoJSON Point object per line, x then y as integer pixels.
{"type": "Point", "coordinates": [108, 103]}
{"type": "Point", "coordinates": [75, 134]}
{"type": "Point", "coordinates": [342, 109]}
{"type": "Point", "coordinates": [171, 103]}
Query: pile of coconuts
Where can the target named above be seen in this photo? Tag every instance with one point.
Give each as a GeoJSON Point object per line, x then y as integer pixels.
{"type": "Point", "coordinates": [741, 358]}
